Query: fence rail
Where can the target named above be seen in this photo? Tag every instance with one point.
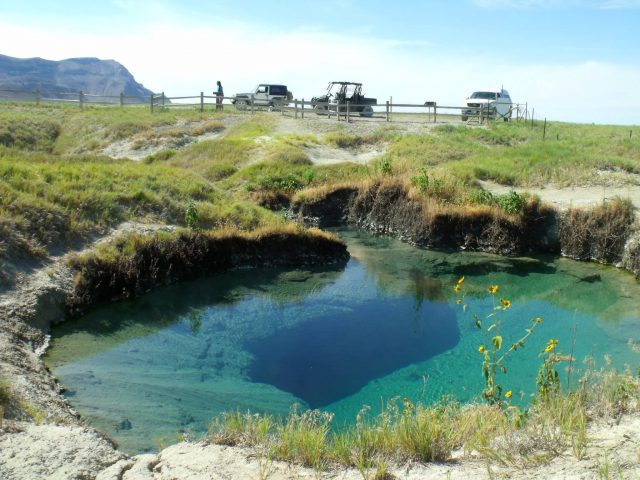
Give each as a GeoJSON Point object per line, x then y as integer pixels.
{"type": "Point", "coordinates": [427, 112]}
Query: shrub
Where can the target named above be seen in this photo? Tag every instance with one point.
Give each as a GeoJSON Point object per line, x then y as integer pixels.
{"type": "Point", "coordinates": [29, 134]}
{"type": "Point", "coordinates": [384, 165]}
{"type": "Point", "coordinates": [482, 197]}
{"type": "Point", "coordinates": [191, 215]}
{"type": "Point", "coordinates": [511, 202]}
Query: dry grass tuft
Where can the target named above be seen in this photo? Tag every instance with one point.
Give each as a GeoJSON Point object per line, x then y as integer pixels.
{"type": "Point", "coordinates": [134, 263]}
{"type": "Point", "coordinates": [599, 233]}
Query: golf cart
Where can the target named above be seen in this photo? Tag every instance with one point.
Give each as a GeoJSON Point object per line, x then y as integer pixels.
{"type": "Point", "coordinates": [341, 93]}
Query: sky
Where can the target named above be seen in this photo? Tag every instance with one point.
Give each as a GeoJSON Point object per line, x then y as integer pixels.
{"type": "Point", "coordinates": [571, 60]}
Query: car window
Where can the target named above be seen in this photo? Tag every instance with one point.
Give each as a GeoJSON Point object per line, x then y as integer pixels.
{"type": "Point", "coordinates": [483, 95]}
{"type": "Point", "coordinates": [278, 90]}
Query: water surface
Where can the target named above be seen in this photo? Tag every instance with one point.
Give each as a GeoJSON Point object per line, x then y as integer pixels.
{"type": "Point", "coordinates": [386, 325]}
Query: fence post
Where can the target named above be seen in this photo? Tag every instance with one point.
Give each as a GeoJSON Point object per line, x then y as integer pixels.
{"type": "Point", "coordinates": [251, 98]}
{"type": "Point", "coordinates": [122, 99]}
{"type": "Point", "coordinates": [387, 110]}
{"type": "Point", "coordinates": [435, 112]}
{"type": "Point", "coordinates": [544, 130]}
{"type": "Point", "coordinates": [348, 112]}
{"type": "Point", "coordinates": [202, 101]}
{"type": "Point", "coordinates": [151, 102]}
{"type": "Point", "coordinates": [162, 100]}
{"type": "Point", "coordinates": [481, 119]}
{"type": "Point", "coordinates": [533, 112]}
{"type": "Point", "coordinates": [81, 99]}
{"type": "Point", "coordinates": [296, 105]}
{"type": "Point", "coordinates": [338, 111]}
{"type": "Point", "coordinates": [302, 109]}
{"type": "Point", "coordinates": [390, 109]}
{"type": "Point", "coordinates": [38, 97]}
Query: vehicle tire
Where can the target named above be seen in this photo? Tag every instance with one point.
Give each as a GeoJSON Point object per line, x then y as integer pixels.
{"type": "Point", "coordinates": [464, 118]}
{"type": "Point", "coordinates": [320, 109]}
{"type": "Point", "coordinates": [366, 111]}
{"type": "Point", "coordinates": [241, 104]}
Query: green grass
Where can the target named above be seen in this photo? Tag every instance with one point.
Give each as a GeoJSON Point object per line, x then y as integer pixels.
{"type": "Point", "coordinates": [404, 432]}
{"type": "Point", "coordinates": [50, 200]}
{"type": "Point", "coordinates": [5, 393]}
{"type": "Point", "coordinates": [516, 154]}
{"type": "Point", "coordinates": [66, 129]}
{"type": "Point", "coordinates": [55, 190]}
{"type": "Point", "coordinates": [23, 131]}
{"type": "Point", "coordinates": [215, 159]}
{"type": "Point", "coordinates": [51, 196]}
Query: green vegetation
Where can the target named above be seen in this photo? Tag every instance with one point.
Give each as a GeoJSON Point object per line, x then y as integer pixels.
{"type": "Point", "coordinates": [516, 154]}
{"type": "Point", "coordinates": [406, 432]}
{"type": "Point", "coordinates": [57, 189]}
{"type": "Point", "coordinates": [5, 394]}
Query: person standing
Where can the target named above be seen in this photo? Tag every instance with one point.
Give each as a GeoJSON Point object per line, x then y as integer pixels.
{"type": "Point", "coordinates": [219, 96]}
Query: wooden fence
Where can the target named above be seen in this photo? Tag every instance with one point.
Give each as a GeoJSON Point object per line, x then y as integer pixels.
{"type": "Point", "coordinates": [427, 112]}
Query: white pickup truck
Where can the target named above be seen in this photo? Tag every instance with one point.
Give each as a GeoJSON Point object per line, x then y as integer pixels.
{"type": "Point", "coordinates": [491, 103]}
{"type": "Point", "coordinates": [266, 95]}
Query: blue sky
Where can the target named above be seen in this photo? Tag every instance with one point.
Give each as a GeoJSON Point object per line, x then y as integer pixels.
{"type": "Point", "coordinates": [573, 60]}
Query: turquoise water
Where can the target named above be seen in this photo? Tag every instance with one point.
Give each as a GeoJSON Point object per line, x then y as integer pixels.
{"type": "Point", "coordinates": [385, 325]}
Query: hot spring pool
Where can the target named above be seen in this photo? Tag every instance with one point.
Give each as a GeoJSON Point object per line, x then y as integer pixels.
{"type": "Point", "coordinates": [387, 324]}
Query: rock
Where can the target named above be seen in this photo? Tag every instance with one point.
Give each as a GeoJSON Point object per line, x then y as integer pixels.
{"type": "Point", "coordinates": [124, 424]}
{"type": "Point", "coordinates": [55, 452]}
{"type": "Point", "coordinates": [89, 75]}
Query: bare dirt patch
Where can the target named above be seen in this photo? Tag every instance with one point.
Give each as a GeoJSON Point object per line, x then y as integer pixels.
{"type": "Point", "coordinates": [325, 155]}
{"type": "Point", "coordinates": [179, 135]}
{"type": "Point", "coordinates": [576, 196]}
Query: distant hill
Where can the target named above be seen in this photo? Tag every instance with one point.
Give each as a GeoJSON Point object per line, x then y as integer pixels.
{"type": "Point", "coordinates": [89, 75]}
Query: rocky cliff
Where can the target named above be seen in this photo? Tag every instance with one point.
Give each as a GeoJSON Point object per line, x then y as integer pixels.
{"type": "Point", "coordinates": [54, 78]}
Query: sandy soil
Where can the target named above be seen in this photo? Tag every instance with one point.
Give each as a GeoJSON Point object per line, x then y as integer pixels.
{"type": "Point", "coordinates": [563, 198]}
{"type": "Point", "coordinates": [64, 452]}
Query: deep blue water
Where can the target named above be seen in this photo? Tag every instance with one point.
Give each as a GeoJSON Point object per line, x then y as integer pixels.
{"type": "Point", "coordinates": [385, 325]}
{"type": "Point", "coordinates": [333, 357]}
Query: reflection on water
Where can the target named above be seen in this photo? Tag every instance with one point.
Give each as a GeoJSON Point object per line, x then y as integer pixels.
{"type": "Point", "coordinates": [385, 325]}
{"type": "Point", "coordinates": [334, 356]}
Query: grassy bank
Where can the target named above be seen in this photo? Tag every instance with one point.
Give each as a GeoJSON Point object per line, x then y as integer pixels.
{"type": "Point", "coordinates": [517, 154]}
{"type": "Point", "coordinates": [58, 191]}
{"type": "Point", "coordinates": [133, 264]}
{"type": "Point", "coordinates": [406, 432]}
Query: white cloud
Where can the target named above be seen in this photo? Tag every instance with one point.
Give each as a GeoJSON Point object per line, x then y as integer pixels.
{"type": "Point", "coordinates": [620, 4]}
{"type": "Point", "coordinates": [185, 60]}
{"type": "Point", "coordinates": [597, 4]}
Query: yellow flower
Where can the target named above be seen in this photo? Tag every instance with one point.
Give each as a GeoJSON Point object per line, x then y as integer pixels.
{"type": "Point", "coordinates": [551, 345]}
{"type": "Point", "coordinates": [493, 289]}
{"type": "Point", "coordinates": [405, 411]}
{"type": "Point", "coordinates": [410, 405]}
{"type": "Point", "coordinates": [481, 349]}
{"type": "Point", "coordinates": [505, 303]}
{"type": "Point", "coordinates": [460, 280]}
{"type": "Point", "coordinates": [538, 320]}
{"type": "Point", "coordinates": [459, 301]}
{"type": "Point", "coordinates": [456, 288]}
{"type": "Point", "coordinates": [508, 394]}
